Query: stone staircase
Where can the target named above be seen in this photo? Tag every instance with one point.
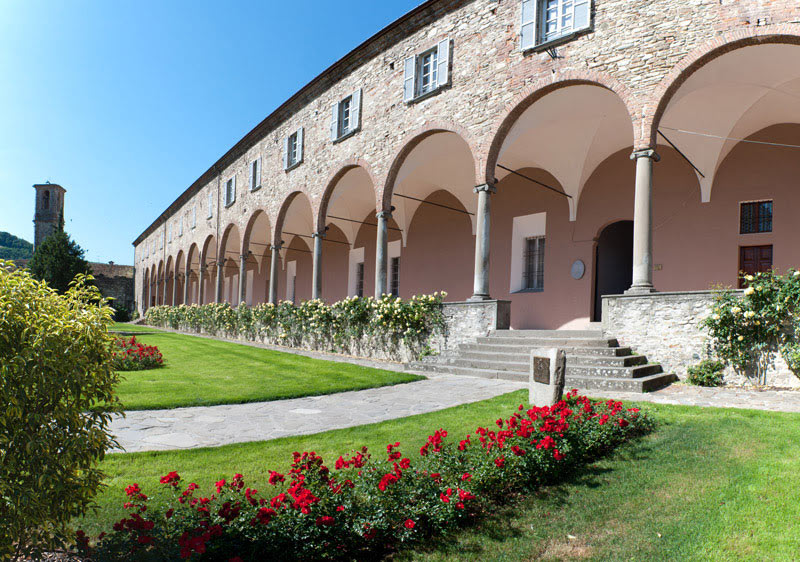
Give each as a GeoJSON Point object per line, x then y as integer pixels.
{"type": "Point", "coordinates": [594, 362]}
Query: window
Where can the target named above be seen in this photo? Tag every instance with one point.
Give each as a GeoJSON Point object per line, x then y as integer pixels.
{"type": "Point", "coordinates": [169, 234]}
{"type": "Point", "coordinates": [394, 277]}
{"type": "Point", "coordinates": [230, 191]}
{"type": "Point", "coordinates": [752, 260]}
{"type": "Point", "coordinates": [545, 21]}
{"type": "Point", "coordinates": [210, 204]}
{"type": "Point", "coordinates": [46, 200]}
{"type": "Point", "coordinates": [534, 263]}
{"type": "Point", "coordinates": [161, 239]}
{"type": "Point", "coordinates": [427, 72]}
{"type": "Point", "coordinates": [346, 116]}
{"type": "Point", "coordinates": [755, 216]}
{"type": "Point", "coordinates": [293, 149]}
{"type": "Point", "coordinates": [360, 279]}
{"type": "Point", "coordinates": [180, 226]}
{"type": "Point", "coordinates": [194, 215]}
{"type": "Point", "coordinates": [255, 174]}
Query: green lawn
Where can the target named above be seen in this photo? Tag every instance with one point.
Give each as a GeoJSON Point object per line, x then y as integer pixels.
{"type": "Point", "coordinates": [708, 484]}
{"type": "Point", "coordinates": [201, 372]}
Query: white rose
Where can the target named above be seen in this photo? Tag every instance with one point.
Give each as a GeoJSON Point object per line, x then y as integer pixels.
{"type": "Point", "coordinates": [749, 291]}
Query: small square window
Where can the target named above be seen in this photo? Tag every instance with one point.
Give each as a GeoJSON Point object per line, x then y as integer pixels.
{"type": "Point", "coordinates": [755, 217]}
{"type": "Point", "coordinates": [230, 191]}
{"type": "Point", "coordinates": [293, 150]}
{"type": "Point", "coordinates": [255, 174]}
{"type": "Point", "coordinates": [534, 264]}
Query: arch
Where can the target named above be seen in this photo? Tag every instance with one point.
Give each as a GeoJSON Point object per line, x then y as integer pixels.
{"type": "Point", "coordinates": [257, 246]}
{"type": "Point", "coordinates": [160, 283]}
{"type": "Point", "coordinates": [413, 139]}
{"type": "Point", "coordinates": [349, 197]}
{"type": "Point", "coordinates": [537, 91]}
{"type": "Point", "coordinates": [257, 222]}
{"type": "Point", "coordinates": [145, 296]}
{"type": "Point", "coordinates": [296, 197]}
{"type": "Point", "coordinates": [726, 90]}
{"type": "Point", "coordinates": [180, 276]}
{"type": "Point", "coordinates": [228, 255]}
{"type": "Point", "coordinates": [208, 261]}
{"type": "Point", "coordinates": [193, 272]}
{"type": "Point", "coordinates": [333, 180]}
{"type": "Point", "coordinates": [699, 57]}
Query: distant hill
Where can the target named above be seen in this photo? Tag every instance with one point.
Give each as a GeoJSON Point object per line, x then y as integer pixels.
{"type": "Point", "coordinates": [13, 248]}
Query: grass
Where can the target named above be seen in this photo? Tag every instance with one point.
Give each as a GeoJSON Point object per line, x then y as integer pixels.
{"type": "Point", "coordinates": [708, 484]}
{"type": "Point", "coordinates": [203, 372]}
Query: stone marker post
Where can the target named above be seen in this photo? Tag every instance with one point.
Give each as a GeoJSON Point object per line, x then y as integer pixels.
{"type": "Point", "coordinates": [547, 372]}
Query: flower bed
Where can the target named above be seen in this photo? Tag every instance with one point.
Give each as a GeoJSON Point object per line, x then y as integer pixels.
{"type": "Point", "coordinates": [365, 507]}
{"type": "Point", "coordinates": [130, 355]}
{"type": "Point", "coordinates": [397, 328]}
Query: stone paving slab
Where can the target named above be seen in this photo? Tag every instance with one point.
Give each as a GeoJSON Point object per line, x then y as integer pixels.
{"type": "Point", "coordinates": [724, 397]}
{"type": "Point", "coordinates": [211, 426]}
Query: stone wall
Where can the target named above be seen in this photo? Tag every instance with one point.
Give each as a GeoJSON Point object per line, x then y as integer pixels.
{"type": "Point", "coordinates": [468, 320]}
{"type": "Point", "coordinates": [666, 327]}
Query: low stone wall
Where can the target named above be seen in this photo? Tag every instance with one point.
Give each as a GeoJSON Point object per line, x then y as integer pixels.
{"type": "Point", "coordinates": [666, 327]}
{"type": "Point", "coordinates": [468, 320]}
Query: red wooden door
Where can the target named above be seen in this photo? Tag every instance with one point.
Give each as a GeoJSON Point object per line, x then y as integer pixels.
{"type": "Point", "coordinates": [753, 259]}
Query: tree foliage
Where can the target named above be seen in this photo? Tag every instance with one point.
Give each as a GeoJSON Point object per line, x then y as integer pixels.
{"type": "Point", "coordinates": [57, 260]}
{"type": "Point", "coordinates": [56, 401]}
{"type": "Point", "coordinates": [14, 248]}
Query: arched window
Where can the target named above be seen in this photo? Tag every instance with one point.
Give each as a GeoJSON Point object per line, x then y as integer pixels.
{"type": "Point", "coordinates": [46, 200]}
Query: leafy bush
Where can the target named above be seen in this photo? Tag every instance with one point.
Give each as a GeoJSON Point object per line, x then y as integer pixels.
{"type": "Point", "coordinates": [365, 506]}
{"type": "Point", "coordinates": [57, 397]}
{"type": "Point", "coordinates": [706, 373]}
{"type": "Point", "coordinates": [131, 355]}
{"type": "Point", "coordinates": [747, 331]}
{"type": "Point", "coordinates": [121, 314]}
{"type": "Point", "coordinates": [344, 326]}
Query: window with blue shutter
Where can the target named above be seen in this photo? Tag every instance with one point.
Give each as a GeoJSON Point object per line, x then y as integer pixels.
{"type": "Point", "coordinates": [427, 72]}
{"type": "Point", "coordinates": [293, 149]}
{"type": "Point", "coordinates": [546, 21]}
{"type": "Point", "coordinates": [255, 174]}
{"type": "Point", "coordinates": [346, 116]}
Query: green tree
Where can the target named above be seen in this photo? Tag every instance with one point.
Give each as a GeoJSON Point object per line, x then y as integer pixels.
{"type": "Point", "coordinates": [56, 401]}
{"type": "Point", "coordinates": [57, 260]}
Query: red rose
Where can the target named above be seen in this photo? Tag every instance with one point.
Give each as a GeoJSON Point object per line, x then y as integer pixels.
{"type": "Point", "coordinates": [409, 524]}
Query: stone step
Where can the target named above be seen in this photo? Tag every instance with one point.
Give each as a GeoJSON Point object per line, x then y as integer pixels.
{"type": "Point", "coordinates": [634, 372]}
{"type": "Point", "coordinates": [641, 384]}
{"type": "Point", "coordinates": [549, 342]}
{"type": "Point", "coordinates": [526, 349]}
{"type": "Point", "coordinates": [480, 353]}
{"type": "Point", "coordinates": [558, 334]}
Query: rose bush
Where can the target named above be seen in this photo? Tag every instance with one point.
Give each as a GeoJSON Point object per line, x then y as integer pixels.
{"type": "Point", "coordinates": [345, 326]}
{"type": "Point", "coordinates": [748, 330]}
{"type": "Point", "coordinates": [363, 506]}
{"type": "Point", "coordinates": [131, 355]}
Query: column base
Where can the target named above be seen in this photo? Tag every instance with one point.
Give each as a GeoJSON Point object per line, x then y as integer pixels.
{"type": "Point", "coordinates": [640, 289]}
{"type": "Point", "coordinates": [475, 298]}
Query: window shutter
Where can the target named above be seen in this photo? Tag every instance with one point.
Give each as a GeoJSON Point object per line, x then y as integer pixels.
{"type": "Point", "coordinates": [233, 189]}
{"type": "Point", "coordinates": [299, 145]}
{"type": "Point", "coordinates": [443, 66]}
{"type": "Point", "coordinates": [409, 78]}
{"type": "Point", "coordinates": [528, 28]}
{"type": "Point", "coordinates": [355, 111]}
{"type": "Point", "coordinates": [258, 172]}
{"type": "Point", "coordinates": [335, 121]}
{"type": "Point", "coordinates": [286, 152]}
{"type": "Point", "coordinates": [580, 14]}
{"type": "Point", "coordinates": [210, 195]}
{"type": "Point", "coordinates": [252, 179]}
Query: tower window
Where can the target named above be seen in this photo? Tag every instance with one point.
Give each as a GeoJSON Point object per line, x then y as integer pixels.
{"type": "Point", "coordinates": [755, 217]}
{"type": "Point", "coordinates": [534, 263]}
{"type": "Point", "coordinates": [46, 200]}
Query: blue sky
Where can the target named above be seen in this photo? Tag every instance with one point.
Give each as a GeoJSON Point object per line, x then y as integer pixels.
{"type": "Point", "coordinates": [126, 103]}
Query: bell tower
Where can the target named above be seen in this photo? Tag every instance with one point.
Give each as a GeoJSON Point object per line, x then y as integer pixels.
{"type": "Point", "coordinates": [49, 210]}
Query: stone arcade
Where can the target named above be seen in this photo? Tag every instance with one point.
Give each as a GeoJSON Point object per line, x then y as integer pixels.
{"type": "Point", "coordinates": [547, 153]}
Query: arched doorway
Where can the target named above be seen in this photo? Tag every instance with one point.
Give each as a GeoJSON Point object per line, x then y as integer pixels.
{"type": "Point", "coordinates": [613, 263]}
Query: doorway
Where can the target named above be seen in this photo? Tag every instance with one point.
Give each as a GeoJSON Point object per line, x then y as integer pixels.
{"type": "Point", "coordinates": [613, 263]}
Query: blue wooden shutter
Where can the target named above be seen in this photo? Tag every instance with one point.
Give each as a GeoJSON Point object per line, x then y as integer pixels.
{"type": "Point", "coordinates": [528, 28]}
{"type": "Point", "coordinates": [299, 145]}
{"type": "Point", "coordinates": [443, 63]}
{"type": "Point", "coordinates": [581, 14]}
{"type": "Point", "coordinates": [409, 78]}
{"type": "Point", "coordinates": [355, 111]}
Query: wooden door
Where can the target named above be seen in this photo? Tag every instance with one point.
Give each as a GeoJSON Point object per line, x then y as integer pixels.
{"type": "Point", "coordinates": [754, 259]}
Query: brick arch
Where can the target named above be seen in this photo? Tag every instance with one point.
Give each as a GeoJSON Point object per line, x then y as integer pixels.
{"type": "Point", "coordinates": [343, 167]}
{"type": "Point", "coordinates": [281, 217]}
{"type": "Point", "coordinates": [536, 91]}
{"type": "Point", "coordinates": [657, 103]}
{"type": "Point", "coordinates": [411, 141]}
{"type": "Point", "coordinates": [248, 229]}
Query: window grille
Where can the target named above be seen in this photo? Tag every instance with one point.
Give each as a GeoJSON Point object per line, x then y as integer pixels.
{"type": "Point", "coordinates": [756, 217]}
{"type": "Point", "coordinates": [360, 279]}
{"type": "Point", "coordinates": [534, 263]}
{"type": "Point", "coordinates": [394, 280]}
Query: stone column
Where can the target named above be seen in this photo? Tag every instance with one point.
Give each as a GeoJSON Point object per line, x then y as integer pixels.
{"type": "Point", "coordinates": [220, 279]}
{"type": "Point", "coordinates": [316, 267]}
{"type": "Point", "coordinates": [201, 284]}
{"type": "Point", "coordinates": [273, 273]}
{"type": "Point", "coordinates": [381, 254]}
{"type": "Point", "coordinates": [186, 278]}
{"type": "Point", "coordinates": [480, 291]}
{"type": "Point", "coordinates": [243, 278]}
{"type": "Point", "coordinates": [643, 222]}
{"type": "Point", "coordinates": [164, 290]}
{"type": "Point", "coordinates": [174, 288]}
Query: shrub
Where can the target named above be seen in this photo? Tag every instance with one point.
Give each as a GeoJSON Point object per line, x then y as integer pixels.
{"type": "Point", "coordinates": [57, 393]}
{"type": "Point", "coordinates": [130, 355]}
{"type": "Point", "coordinates": [363, 506]}
{"type": "Point", "coordinates": [344, 326]}
{"type": "Point", "coordinates": [748, 331]}
{"type": "Point", "coordinates": [121, 314]}
{"type": "Point", "coordinates": [706, 373]}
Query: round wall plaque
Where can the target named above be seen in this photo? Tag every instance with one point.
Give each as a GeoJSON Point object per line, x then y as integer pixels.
{"type": "Point", "coordinates": [578, 269]}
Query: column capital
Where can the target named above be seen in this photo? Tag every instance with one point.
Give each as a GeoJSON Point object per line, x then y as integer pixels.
{"type": "Point", "coordinates": [489, 188]}
{"type": "Point", "coordinates": [320, 234]}
{"type": "Point", "coordinates": [646, 153]}
{"type": "Point", "coordinates": [385, 214]}
{"type": "Point", "coordinates": [220, 263]}
{"type": "Point", "coordinates": [277, 246]}
{"type": "Point", "coordinates": [243, 257]}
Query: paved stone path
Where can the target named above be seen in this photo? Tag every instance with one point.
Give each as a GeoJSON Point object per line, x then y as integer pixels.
{"type": "Point", "coordinates": [210, 426]}
{"type": "Point", "coordinates": [687, 395]}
